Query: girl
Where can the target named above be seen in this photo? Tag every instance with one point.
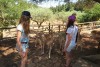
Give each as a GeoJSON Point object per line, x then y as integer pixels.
{"type": "Point", "coordinates": [22, 36]}
{"type": "Point", "coordinates": [71, 37]}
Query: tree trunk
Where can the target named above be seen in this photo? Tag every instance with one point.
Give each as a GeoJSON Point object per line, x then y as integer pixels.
{"type": "Point", "coordinates": [1, 34]}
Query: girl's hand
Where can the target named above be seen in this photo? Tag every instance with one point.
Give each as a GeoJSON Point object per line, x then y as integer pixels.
{"type": "Point", "coordinates": [20, 47]}
{"type": "Point", "coordinates": [64, 50]}
{"type": "Point", "coordinates": [23, 54]}
{"type": "Point", "coordinates": [21, 51]}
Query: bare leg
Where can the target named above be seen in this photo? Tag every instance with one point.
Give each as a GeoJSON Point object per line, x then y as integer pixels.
{"type": "Point", "coordinates": [68, 59]}
{"type": "Point", "coordinates": [23, 62]}
{"type": "Point", "coordinates": [24, 59]}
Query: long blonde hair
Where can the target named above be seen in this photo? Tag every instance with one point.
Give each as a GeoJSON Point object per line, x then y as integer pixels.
{"type": "Point", "coordinates": [25, 21]}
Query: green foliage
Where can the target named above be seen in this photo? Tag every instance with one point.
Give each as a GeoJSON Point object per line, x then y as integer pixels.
{"type": "Point", "coordinates": [62, 16]}
{"type": "Point", "coordinates": [10, 10]}
{"type": "Point", "coordinates": [65, 7]}
{"type": "Point", "coordinates": [82, 5]}
{"type": "Point", "coordinates": [5, 12]}
{"type": "Point", "coordinates": [40, 15]}
{"type": "Point", "coordinates": [60, 8]}
{"type": "Point", "coordinates": [91, 15]}
{"type": "Point", "coordinates": [80, 16]}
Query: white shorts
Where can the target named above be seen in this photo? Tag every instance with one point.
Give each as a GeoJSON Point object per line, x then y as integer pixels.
{"type": "Point", "coordinates": [71, 46]}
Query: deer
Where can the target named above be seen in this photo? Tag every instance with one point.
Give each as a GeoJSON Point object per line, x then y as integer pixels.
{"type": "Point", "coordinates": [80, 41]}
{"type": "Point", "coordinates": [48, 39]}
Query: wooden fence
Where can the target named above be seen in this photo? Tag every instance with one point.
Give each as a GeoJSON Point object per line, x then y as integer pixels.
{"type": "Point", "coordinates": [11, 31]}
{"type": "Point", "coordinates": [62, 27]}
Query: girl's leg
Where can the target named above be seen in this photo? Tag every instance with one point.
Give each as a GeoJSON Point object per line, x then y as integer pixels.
{"type": "Point", "coordinates": [68, 59]}
{"type": "Point", "coordinates": [23, 62]}
{"type": "Point", "coordinates": [24, 59]}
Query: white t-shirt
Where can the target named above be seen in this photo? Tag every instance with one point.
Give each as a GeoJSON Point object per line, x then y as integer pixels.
{"type": "Point", "coordinates": [20, 28]}
{"type": "Point", "coordinates": [24, 38]}
{"type": "Point", "coordinates": [73, 31]}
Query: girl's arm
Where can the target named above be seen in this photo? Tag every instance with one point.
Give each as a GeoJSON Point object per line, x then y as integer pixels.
{"type": "Point", "coordinates": [18, 39]}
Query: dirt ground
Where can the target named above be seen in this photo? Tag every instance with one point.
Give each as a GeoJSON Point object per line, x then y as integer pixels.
{"type": "Point", "coordinates": [88, 56]}
{"type": "Point", "coordinates": [83, 58]}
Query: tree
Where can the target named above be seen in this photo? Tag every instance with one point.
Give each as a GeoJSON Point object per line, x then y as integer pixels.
{"type": "Point", "coordinates": [10, 10]}
{"type": "Point", "coordinates": [61, 8]}
{"type": "Point", "coordinates": [92, 14]}
{"type": "Point", "coordinates": [40, 15]}
{"type": "Point", "coordinates": [84, 5]}
{"type": "Point", "coordinates": [5, 11]}
{"type": "Point", "coordinates": [97, 1]}
{"type": "Point", "coordinates": [61, 16]}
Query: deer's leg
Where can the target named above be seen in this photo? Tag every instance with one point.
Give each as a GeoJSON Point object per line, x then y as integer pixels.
{"type": "Point", "coordinates": [50, 51]}
{"type": "Point", "coordinates": [41, 46]}
{"type": "Point", "coordinates": [42, 49]}
{"type": "Point", "coordinates": [35, 43]}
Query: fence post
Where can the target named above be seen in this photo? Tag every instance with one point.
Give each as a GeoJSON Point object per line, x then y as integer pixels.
{"type": "Point", "coordinates": [59, 28]}
{"type": "Point", "coordinates": [49, 28]}
{"type": "Point", "coordinates": [1, 34]}
{"type": "Point", "coordinates": [42, 28]}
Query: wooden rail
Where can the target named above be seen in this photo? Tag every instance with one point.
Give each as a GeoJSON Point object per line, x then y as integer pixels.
{"type": "Point", "coordinates": [49, 27]}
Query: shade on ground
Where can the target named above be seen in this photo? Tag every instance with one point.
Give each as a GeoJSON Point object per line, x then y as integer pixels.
{"type": "Point", "coordinates": [88, 61]}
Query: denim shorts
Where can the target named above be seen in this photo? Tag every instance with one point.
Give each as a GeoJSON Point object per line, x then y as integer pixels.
{"type": "Point", "coordinates": [24, 47]}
